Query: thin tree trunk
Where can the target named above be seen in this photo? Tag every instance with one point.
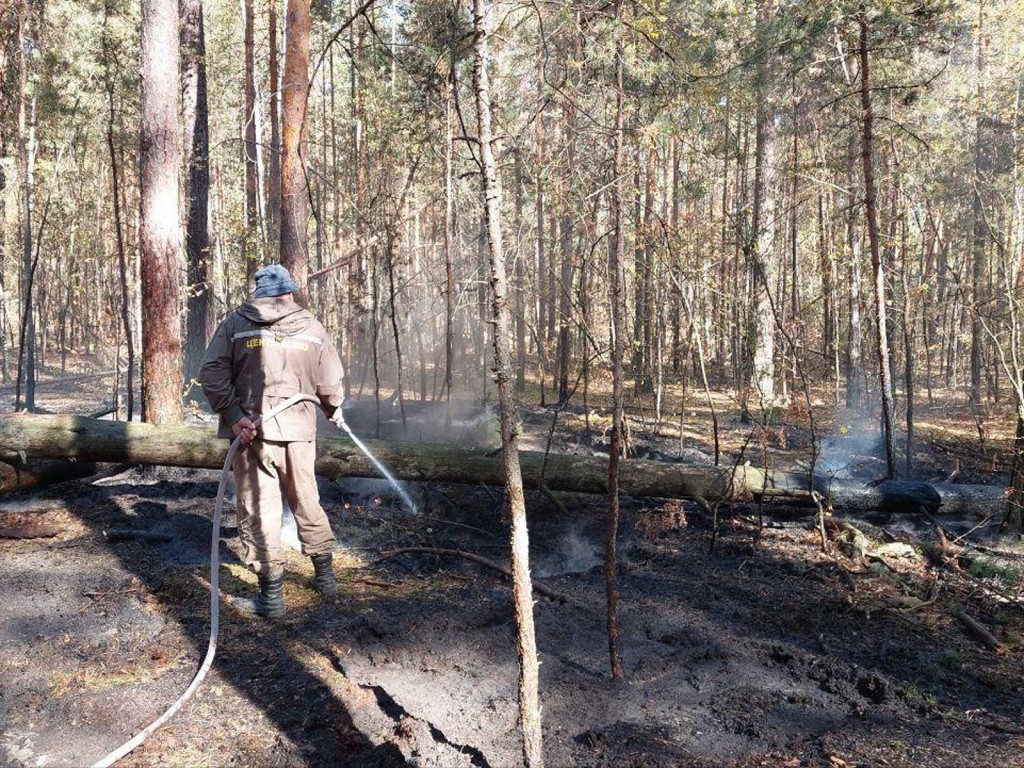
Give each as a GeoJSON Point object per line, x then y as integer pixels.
{"type": "Point", "coordinates": [762, 317]}
{"type": "Point", "coordinates": [617, 279]}
{"type": "Point", "coordinates": [159, 228]}
{"type": "Point", "coordinates": [26, 168]}
{"type": "Point", "coordinates": [274, 172]}
{"type": "Point", "coordinates": [251, 237]}
{"type": "Point", "coordinates": [294, 187]}
{"type": "Point", "coordinates": [540, 265]}
{"type": "Point", "coordinates": [566, 236]}
{"type": "Point", "coordinates": [529, 700]}
{"type": "Point", "coordinates": [197, 165]}
{"type": "Point", "coordinates": [870, 206]}
{"type": "Point", "coordinates": [980, 233]}
{"type": "Point", "coordinates": [519, 272]}
{"type": "Point", "coordinates": [449, 246]}
{"type": "Point", "coordinates": [122, 256]}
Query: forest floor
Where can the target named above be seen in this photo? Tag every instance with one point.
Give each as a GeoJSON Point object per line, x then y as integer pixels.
{"type": "Point", "coordinates": [763, 652]}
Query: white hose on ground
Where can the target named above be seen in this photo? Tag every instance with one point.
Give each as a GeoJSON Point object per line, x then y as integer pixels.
{"type": "Point", "coordinates": [211, 649]}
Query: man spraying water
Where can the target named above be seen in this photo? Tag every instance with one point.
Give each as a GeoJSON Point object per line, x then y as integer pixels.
{"type": "Point", "coordinates": [263, 353]}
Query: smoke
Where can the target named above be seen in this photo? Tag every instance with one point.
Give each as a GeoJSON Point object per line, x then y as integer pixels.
{"type": "Point", "coordinates": [575, 552]}
{"type": "Point", "coordinates": [462, 422]}
{"type": "Point", "coordinates": [856, 450]}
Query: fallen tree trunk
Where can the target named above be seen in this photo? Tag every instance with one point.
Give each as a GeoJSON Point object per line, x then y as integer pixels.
{"type": "Point", "coordinates": [86, 439]}
{"type": "Point", "coordinates": [15, 476]}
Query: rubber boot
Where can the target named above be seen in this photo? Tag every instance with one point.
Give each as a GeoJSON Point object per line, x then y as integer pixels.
{"type": "Point", "coordinates": [270, 601]}
{"type": "Point", "coordinates": [323, 575]}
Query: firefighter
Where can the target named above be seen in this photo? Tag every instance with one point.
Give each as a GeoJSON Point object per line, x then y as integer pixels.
{"type": "Point", "coordinates": [267, 350]}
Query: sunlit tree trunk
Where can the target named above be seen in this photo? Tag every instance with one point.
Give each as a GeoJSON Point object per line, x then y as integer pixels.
{"type": "Point", "coordinates": [251, 237]}
{"type": "Point", "coordinates": [274, 165]}
{"type": "Point", "coordinates": [159, 228]}
{"type": "Point", "coordinates": [294, 186]}
{"type": "Point", "coordinates": [762, 318]}
{"type": "Point", "coordinates": [529, 699]}
{"type": "Point", "coordinates": [26, 170]}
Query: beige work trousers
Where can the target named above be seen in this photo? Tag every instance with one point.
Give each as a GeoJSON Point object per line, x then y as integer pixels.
{"type": "Point", "coordinates": [262, 471]}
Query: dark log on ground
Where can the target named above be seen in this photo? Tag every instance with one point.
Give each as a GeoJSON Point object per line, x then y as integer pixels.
{"type": "Point", "coordinates": [87, 439]}
{"type": "Point", "coordinates": [18, 476]}
{"type": "Point", "coordinates": [130, 534]}
{"type": "Point", "coordinates": [28, 529]}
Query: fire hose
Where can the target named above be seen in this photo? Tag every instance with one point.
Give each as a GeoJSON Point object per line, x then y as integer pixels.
{"type": "Point", "coordinates": [211, 649]}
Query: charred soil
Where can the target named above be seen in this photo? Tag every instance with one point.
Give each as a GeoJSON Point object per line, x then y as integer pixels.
{"type": "Point", "coordinates": [766, 651]}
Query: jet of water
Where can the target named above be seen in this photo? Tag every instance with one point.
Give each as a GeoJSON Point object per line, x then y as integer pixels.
{"type": "Point", "coordinates": [380, 467]}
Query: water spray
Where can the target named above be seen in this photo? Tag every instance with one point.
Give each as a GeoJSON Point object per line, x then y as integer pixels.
{"type": "Point", "coordinates": [218, 506]}
{"type": "Point", "coordinates": [376, 463]}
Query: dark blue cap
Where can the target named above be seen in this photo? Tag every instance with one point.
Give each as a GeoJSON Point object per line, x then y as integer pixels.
{"type": "Point", "coordinates": [273, 281]}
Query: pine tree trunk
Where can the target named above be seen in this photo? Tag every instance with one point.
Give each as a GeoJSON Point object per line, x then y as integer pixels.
{"type": "Point", "coordinates": [251, 237]}
{"type": "Point", "coordinates": [871, 208]}
{"type": "Point", "coordinates": [529, 699]}
{"type": "Point", "coordinates": [294, 187]}
{"type": "Point", "coordinates": [566, 236]}
{"type": "Point", "coordinates": [617, 314]}
{"type": "Point", "coordinates": [762, 317]}
{"type": "Point", "coordinates": [197, 165]}
{"type": "Point", "coordinates": [26, 170]}
{"type": "Point", "coordinates": [122, 256]}
{"type": "Point", "coordinates": [519, 272]}
{"type": "Point", "coordinates": [1013, 518]}
{"type": "Point", "coordinates": [980, 232]}
{"type": "Point", "coordinates": [540, 261]}
{"type": "Point", "coordinates": [159, 228]}
{"type": "Point", "coordinates": [449, 244]}
{"type": "Point", "coordinates": [274, 166]}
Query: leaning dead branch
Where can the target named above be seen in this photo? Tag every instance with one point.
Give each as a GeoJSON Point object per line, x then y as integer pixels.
{"type": "Point", "coordinates": [538, 588]}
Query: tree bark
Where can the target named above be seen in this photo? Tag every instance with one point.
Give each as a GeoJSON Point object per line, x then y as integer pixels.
{"type": "Point", "coordinates": [15, 476]}
{"type": "Point", "coordinates": [522, 591]}
{"type": "Point", "coordinates": [251, 238]}
{"type": "Point", "coordinates": [566, 238]}
{"type": "Point", "coordinates": [294, 187]}
{"type": "Point", "coordinates": [274, 166]}
{"type": "Point", "coordinates": [762, 317]}
{"type": "Point", "coordinates": [122, 255]}
{"type": "Point", "coordinates": [980, 232]}
{"type": "Point", "coordinates": [871, 208]}
{"type": "Point", "coordinates": [87, 439]}
{"type": "Point", "coordinates": [159, 227]}
{"type": "Point", "coordinates": [617, 315]}
{"type": "Point", "coordinates": [855, 342]}
{"type": "Point", "coordinates": [26, 170]}
{"type": "Point", "coordinates": [197, 164]}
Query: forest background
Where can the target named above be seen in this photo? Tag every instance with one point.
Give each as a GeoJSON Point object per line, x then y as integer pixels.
{"type": "Point", "coordinates": [818, 204]}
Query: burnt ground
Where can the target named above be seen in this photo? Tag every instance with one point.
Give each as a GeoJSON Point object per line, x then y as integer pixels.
{"type": "Point", "coordinates": [764, 652]}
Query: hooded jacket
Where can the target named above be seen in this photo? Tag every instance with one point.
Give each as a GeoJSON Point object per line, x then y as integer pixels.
{"type": "Point", "coordinates": [263, 353]}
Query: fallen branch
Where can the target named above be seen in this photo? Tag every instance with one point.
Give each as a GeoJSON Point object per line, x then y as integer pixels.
{"type": "Point", "coordinates": [128, 534]}
{"type": "Point", "coordinates": [978, 631]}
{"type": "Point", "coordinates": [28, 530]}
{"type": "Point", "coordinates": [538, 588]}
